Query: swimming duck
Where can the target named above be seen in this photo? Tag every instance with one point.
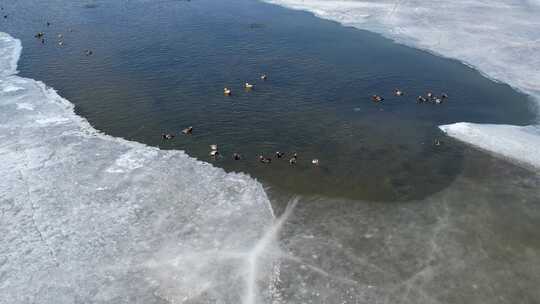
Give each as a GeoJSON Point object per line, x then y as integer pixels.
{"type": "Point", "coordinates": [236, 156]}
{"type": "Point", "coordinates": [444, 96]}
{"type": "Point", "coordinates": [315, 162]}
{"type": "Point", "coordinates": [39, 35]}
{"type": "Point", "coordinates": [437, 142]}
{"type": "Point", "coordinates": [167, 136]}
{"type": "Point", "coordinates": [88, 52]}
{"type": "Point", "coordinates": [264, 77]}
{"type": "Point", "coordinates": [214, 153]}
{"type": "Point", "coordinates": [227, 91]}
{"type": "Point", "coordinates": [60, 36]}
{"type": "Point", "coordinates": [248, 86]}
{"type": "Point", "coordinates": [429, 95]}
{"type": "Point", "coordinates": [60, 43]}
{"type": "Point", "coordinates": [376, 98]}
{"type": "Point", "coordinates": [213, 147]}
{"type": "Point", "coordinates": [421, 99]}
{"type": "Point", "coordinates": [264, 160]}
{"type": "Point", "coordinates": [187, 131]}
{"type": "Point", "coordinates": [293, 159]}
{"type": "Point", "coordinates": [398, 92]}
{"type": "Point", "coordinates": [438, 100]}
{"type": "Point", "coordinates": [279, 154]}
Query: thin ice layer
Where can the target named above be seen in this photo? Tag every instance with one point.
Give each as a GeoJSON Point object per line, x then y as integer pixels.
{"type": "Point", "coordinates": [477, 241]}
{"type": "Point", "coordinates": [88, 218]}
{"type": "Point", "coordinates": [507, 140]}
{"type": "Point", "coordinates": [10, 51]}
{"type": "Point", "coordinates": [500, 38]}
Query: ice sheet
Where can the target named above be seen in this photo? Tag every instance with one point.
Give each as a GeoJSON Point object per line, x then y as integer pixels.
{"type": "Point", "coordinates": [521, 143]}
{"type": "Point", "coordinates": [499, 38]}
{"type": "Point", "coordinates": [88, 218]}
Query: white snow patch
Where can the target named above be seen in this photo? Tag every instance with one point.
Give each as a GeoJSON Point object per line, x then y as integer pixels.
{"type": "Point", "coordinates": [133, 159]}
{"type": "Point", "coordinates": [52, 120]}
{"type": "Point", "coordinates": [9, 89]}
{"type": "Point", "coordinates": [25, 106]}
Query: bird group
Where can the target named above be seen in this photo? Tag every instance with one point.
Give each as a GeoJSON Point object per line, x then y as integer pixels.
{"type": "Point", "coordinates": [215, 154]}
{"type": "Point", "coordinates": [429, 98]}
{"type": "Point", "coordinates": [60, 39]}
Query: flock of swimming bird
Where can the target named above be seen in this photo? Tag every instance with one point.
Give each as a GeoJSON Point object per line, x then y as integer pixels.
{"type": "Point", "coordinates": [420, 99]}
{"type": "Point", "coordinates": [41, 37]}
{"type": "Point", "coordinates": [214, 152]}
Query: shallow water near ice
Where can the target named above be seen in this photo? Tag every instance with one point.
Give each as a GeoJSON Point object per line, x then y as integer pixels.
{"type": "Point", "coordinates": [103, 220]}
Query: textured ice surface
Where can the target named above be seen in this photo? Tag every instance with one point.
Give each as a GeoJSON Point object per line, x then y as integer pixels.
{"type": "Point", "coordinates": [10, 50]}
{"type": "Point", "coordinates": [88, 218]}
{"type": "Point", "coordinates": [500, 38]}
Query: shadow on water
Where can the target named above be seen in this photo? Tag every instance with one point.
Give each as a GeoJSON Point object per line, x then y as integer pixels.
{"type": "Point", "coordinates": [161, 66]}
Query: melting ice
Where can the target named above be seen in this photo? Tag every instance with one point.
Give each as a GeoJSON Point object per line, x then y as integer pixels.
{"type": "Point", "coordinates": [500, 38]}
{"type": "Point", "coordinates": [88, 218]}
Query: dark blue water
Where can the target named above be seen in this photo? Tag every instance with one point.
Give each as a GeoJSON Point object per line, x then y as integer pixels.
{"type": "Point", "coordinates": [160, 66]}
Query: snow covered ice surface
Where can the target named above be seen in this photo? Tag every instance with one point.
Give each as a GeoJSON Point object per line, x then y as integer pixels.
{"type": "Point", "coordinates": [499, 38]}
{"type": "Point", "coordinates": [88, 218]}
